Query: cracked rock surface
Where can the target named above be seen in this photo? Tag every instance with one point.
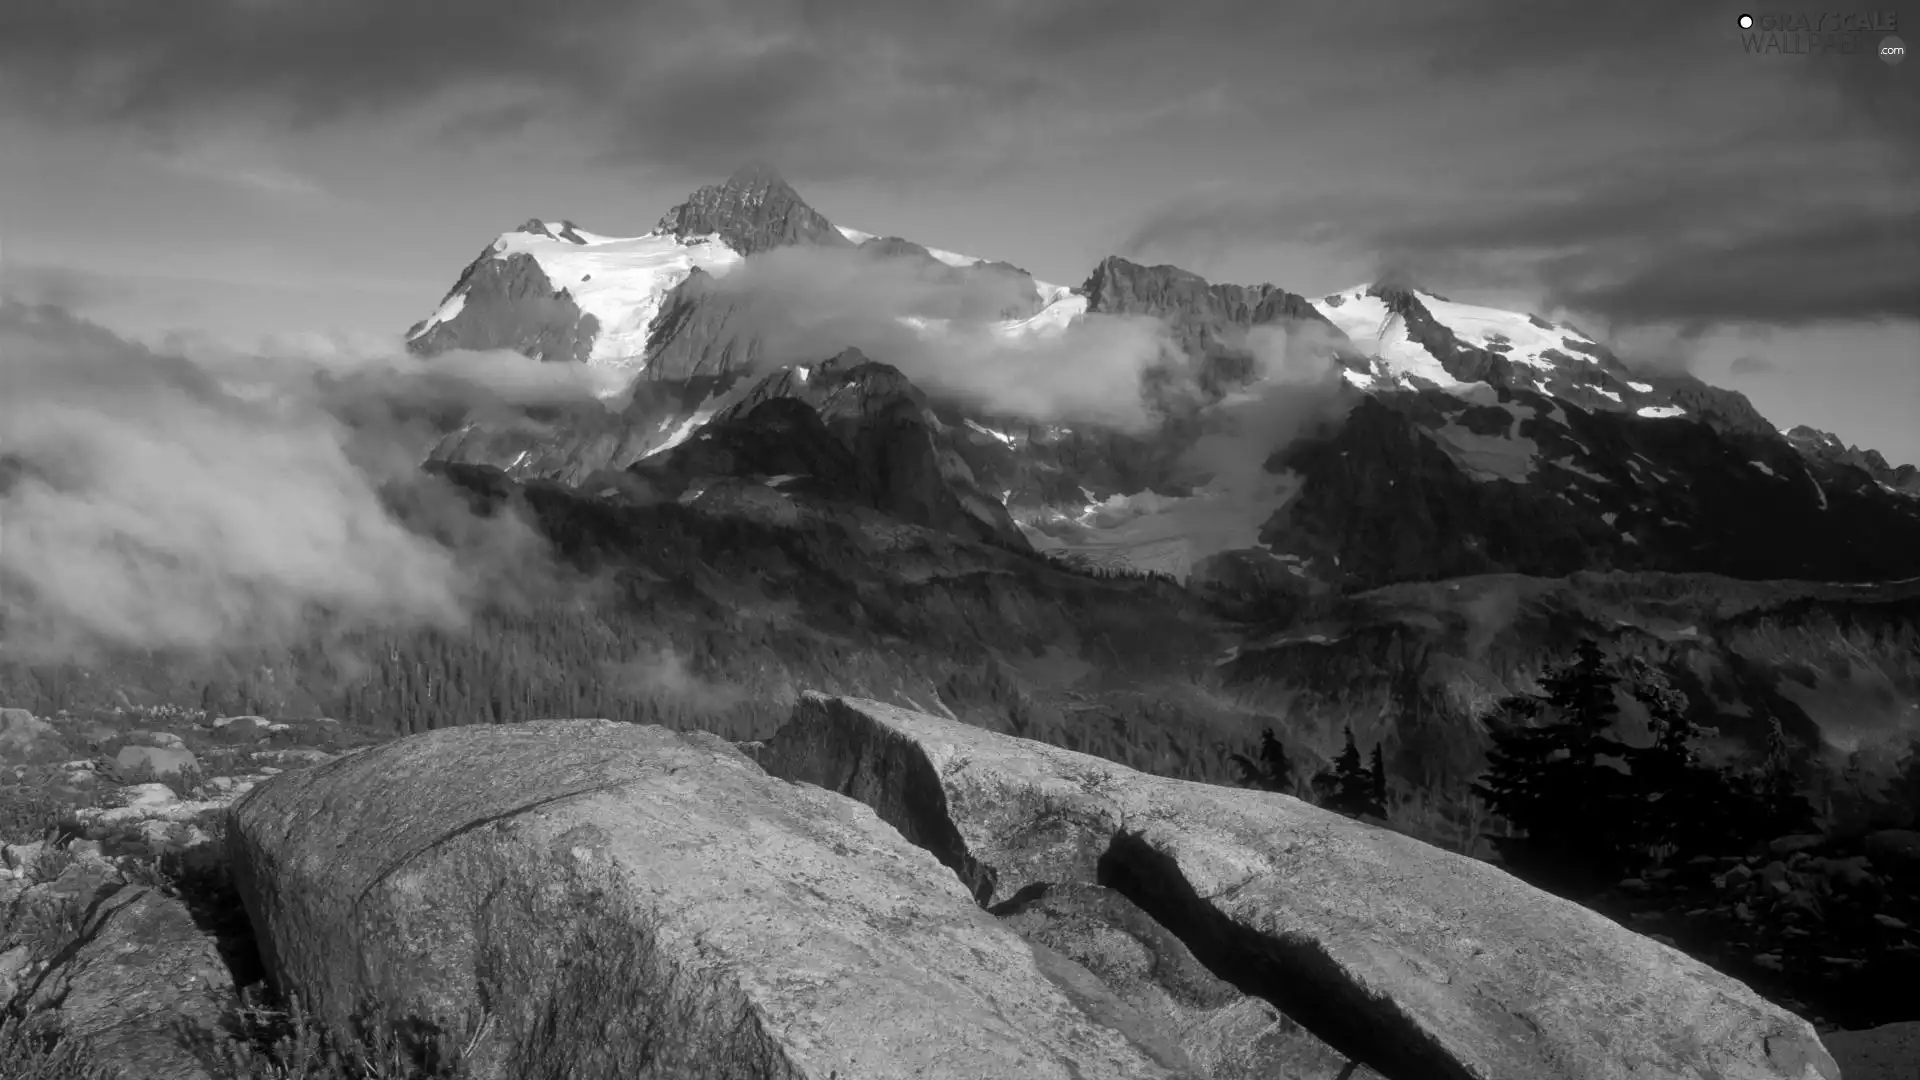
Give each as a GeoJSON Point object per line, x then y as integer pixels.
{"type": "Point", "coordinates": [613, 894]}
{"type": "Point", "coordinates": [1418, 961]}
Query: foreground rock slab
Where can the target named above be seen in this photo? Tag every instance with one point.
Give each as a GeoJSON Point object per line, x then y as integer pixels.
{"type": "Point", "coordinates": [1215, 1029]}
{"type": "Point", "coordinates": [627, 901]}
{"type": "Point", "coordinates": [144, 988]}
{"type": "Point", "coordinates": [1890, 1052]}
{"type": "Point", "coordinates": [1424, 964]}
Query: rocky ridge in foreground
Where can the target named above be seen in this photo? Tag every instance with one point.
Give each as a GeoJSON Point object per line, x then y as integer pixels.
{"type": "Point", "coordinates": [809, 934]}
{"type": "Point", "coordinates": [871, 892]}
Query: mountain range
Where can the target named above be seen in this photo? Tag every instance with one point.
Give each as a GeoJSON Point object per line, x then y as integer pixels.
{"type": "Point", "coordinates": [1439, 438]}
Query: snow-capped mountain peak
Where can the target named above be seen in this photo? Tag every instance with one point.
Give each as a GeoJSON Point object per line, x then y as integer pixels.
{"type": "Point", "coordinates": [617, 282]}
{"type": "Point", "coordinates": [1421, 340]}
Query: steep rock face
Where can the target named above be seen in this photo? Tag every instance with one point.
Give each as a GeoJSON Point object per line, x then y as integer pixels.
{"type": "Point", "coordinates": [1209, 322]}
{"type": "Point", "coordinates": [1419, 962]}
{"type": "Point", "coordinates": [753, 210]}
{"type": "Point", "coordinates": [625, 900]}
{"type": "Point", "coordinates": [1425, 486]}
{"type": "Point", "coordinates": [902, 464]}
{"type": "Point", "coordinates": [1825, 447]}
{"type": "Point", "coordinates": [510, 304]}
{"type": "Point", "coordinates": [780, 437]}
{"type": "Point", "coordinates": [700, 333]}
{"type": "Point", "coordinates": [1462, 361]}
{"type": "Point", "coordinates": [573, 443]}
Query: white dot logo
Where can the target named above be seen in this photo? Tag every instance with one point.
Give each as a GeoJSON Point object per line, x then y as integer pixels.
{"type": "Point", "coordinates": [1746, 22]}
{"type": "Point", "coordinates": [1892, 49]}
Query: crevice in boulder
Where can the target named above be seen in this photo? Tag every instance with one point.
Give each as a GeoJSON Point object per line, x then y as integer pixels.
{"type": "Point", "coordinates": [1013, 905]}
{"type": "Point", "coordinates": [830, 745]}
{"type": "Point", "coordinates": [1296, 975]}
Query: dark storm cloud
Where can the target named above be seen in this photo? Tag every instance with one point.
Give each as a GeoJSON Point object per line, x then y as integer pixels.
{"type": "Point", "coordinates": [1840, 265]}
{"type": "Point", "coordinates": [1682, 180]}
{"type": "Point", "coordinates": [136, 61]}
{"type": "Point", "coordinates": [825, 87]}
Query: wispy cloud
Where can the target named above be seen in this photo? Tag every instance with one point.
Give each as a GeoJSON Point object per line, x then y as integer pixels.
{"type": "Point", "coordinates": [157, 499]}
{"type": "Point", "coordinates": [240, 165]}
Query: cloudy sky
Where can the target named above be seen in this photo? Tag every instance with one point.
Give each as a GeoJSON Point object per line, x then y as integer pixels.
{"type": "Point", "coordinates": [283, 169]}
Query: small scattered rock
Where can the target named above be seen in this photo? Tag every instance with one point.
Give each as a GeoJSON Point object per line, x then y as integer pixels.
{"type": "Point", "coordinates": [1894, 848]}
{"type": "Point", "coordinates": [24, 735]}
{"type": "Point", "coordinates": [166, 739]}
{"type": "Point", "coordinates": [13, 965]}
{"type": "Point", "coordinates": [164, 761]}
{"type": "Point", "coordinates": [22, 856]}
{"type": "Point", "coordinates": [1796, 842]}
{"type": "Point", "coordinates": [242, 727]}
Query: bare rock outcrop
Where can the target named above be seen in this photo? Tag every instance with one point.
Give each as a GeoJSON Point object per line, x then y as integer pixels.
{"type": "Point", "coordinates": [1421, 963]}
{"type": "Point", "coordinates": [613, 895]}
{"type": "Point", "coordinates": [142, 986]}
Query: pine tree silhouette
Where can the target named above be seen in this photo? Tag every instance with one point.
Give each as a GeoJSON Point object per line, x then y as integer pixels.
{"type": "Point", "coordinates": [1545, 777]}
{"type": "Point", "coordinates": [1272, 772]}
{"type": "Point", "coordinates": [1346, 787]}
{"type": "Point", "coordinates": [1681, 807]}
{"type": "Point", "coordinates": [1377, 787]}
{"type": "Point", "coordinates": [1778, 806]}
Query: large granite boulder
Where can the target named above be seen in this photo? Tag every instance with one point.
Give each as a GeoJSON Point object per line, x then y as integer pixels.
{"type": "Point", "coordinates": [623, 900]}
{"type": "Point", "coordinates": [1419, 962]}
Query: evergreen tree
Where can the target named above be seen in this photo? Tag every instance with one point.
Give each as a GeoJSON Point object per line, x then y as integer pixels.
{"type": "Point", "coordinates": [1779, 807]}
{"type": "Point", "coordinates": [1273, 771]}
{"type": "Point", "coordinates": [1377, 787]}
{"type": "Point", "coordinates": [1681, 805]}
{"type": "Point", "coordinates": [1544, 777]}
{"type": "Point", "coordinates": [1581, 693]}
{"type": "Point", "coordinates": [1347, 786]}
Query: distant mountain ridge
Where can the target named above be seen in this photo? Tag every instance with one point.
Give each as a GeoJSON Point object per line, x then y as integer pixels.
{"type": "Point", "coordinates": [1476, 440]}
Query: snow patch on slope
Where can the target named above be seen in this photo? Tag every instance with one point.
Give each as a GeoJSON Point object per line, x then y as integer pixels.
{"type": "Point", "coordinates": [621, 282]}
{"type": "Point", "coordinates": [1514, 335]}
{"type": "Point", "coordinates": [1048, 321]}
{"type": "Point", "coordinates": [686, 426]}
{"type": "Point", "coordinates": [1002, 436]}
{"type": "Point", "coordinates": [1662, 412]}
{"type": "Point", "coordinates": [448, 308]}
{"type": "Point", "coordinates": [1366, 320]}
